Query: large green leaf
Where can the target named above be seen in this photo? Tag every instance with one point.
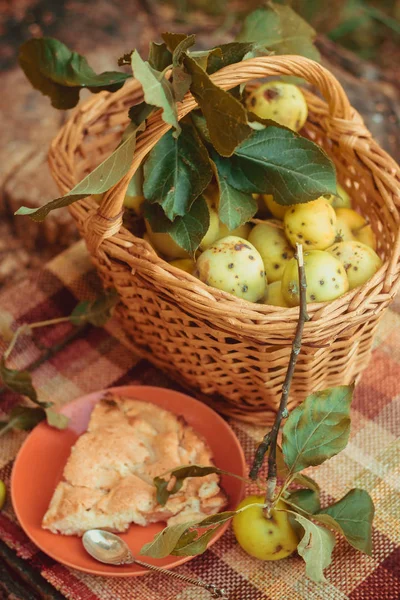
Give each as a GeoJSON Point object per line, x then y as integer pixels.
{"type": "Point", "coordinates": [281, 30]}
{"type": "Point", "coordinates": [299, 478]}
{"type": "Point", "coordinates": [59, 73]}
{"type": "Point", "coordinates": [317, 429]}
{"type": "Point", "coordinates": [226, 117]}
{"type": "Point", "coordinates": [280, 162]}
{"type": "Point", "coordinates": [235, 207]}
{"type": "Point", "coordinates": [157, 90]}
{"type": "Point", "coordinates": [351, 516]}
{"type": "Point", "coordinates": [315, 547]}
{"type": "Point", "coordinates": [177, 171]}
{"type": "Point", "coordinates": [107, 174]}
{"type": "Point", "coordinates": [187, 231]}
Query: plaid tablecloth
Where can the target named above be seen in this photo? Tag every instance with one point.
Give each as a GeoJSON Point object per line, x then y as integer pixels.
{"type": "Point", "coordinates": [98, 359]}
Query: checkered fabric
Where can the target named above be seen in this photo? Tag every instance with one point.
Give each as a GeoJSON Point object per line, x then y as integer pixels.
{"type": "Point", "coordinates": [98, 359]}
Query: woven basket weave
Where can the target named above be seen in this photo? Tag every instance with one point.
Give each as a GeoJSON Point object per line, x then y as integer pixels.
{"type": "Point", "coordinates": [233, 352]}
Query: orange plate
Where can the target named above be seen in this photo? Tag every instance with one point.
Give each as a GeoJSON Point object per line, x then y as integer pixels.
{"type": "Point", "coordinates": [40, 463]}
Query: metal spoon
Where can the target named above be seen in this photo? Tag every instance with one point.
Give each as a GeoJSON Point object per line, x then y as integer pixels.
{"type": "Point", "coordinates": [112, 550]}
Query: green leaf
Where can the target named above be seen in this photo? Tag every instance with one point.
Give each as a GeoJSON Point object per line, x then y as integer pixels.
{"type": "Point", "coordinates": [235, 207]}
{"type": "Point", "coordinates": [177, 171]}
{"type": "Point", "coordinates": [200, 124]}
{"type": "Point", "coordinates": [315, 547]}
{"type": "Point", "coordinates": [159, 56]}
{"type": "Point", "coordinates": [179, 43]}
{"type": "Point", "coordinates": [306, 482]}
{"type": "Point", "coordinates": [59, 73]}
{"type": "Point", "coordinates": [282, 468]}
{"type": "Point", "coordinates": [226, 117]}
{"type": "Point", "coordinates": [192, 543]}
{"type": "Point", "coordinates": [299, 478]}
{"type": "Point", "coordinates": [203, 57]}
{"type": "Point", "coordinates": [228, 54]}
{"type": "Point", "coordinates": [318, 428]}
{"type": "Point", "coordinates": [351, 516]}
{"type": "Point", "coordinates": [218, 518]}
{"type": "Point", "coordinates": [278, 161]}
{"type": "Point", "coordinates": [165, 541]}
{"type": "Point", "coordinates": [23, 418]}
{"type": "Point", "coordinates": [181, 79]}
{"type": "Point", "coordinates": [157, 90]}
{"type": "Point", "coordinates": [281, 30]}
{"type": "Point", "coordinates": [187, 231]}
{"type": "Point", "coordinates": [96, 312]}
{"type": "Point", "coordinates": [17, 381]}
{"type": "Point", "coordinates": [140, 112]}
{"type": "Point", "coordinates": [135, 186]}
{"type": "Point", "coordinates": [173, 40]}
{"type": "Point", "coordinates": [56, 419]}
{"type": "Point", "coordinates": [181, 541]}
{"type": "Point", "coordinates": [306, 500]}
{"type": "Point", "coordinates": [195, 546]}
{"type": "Point", "coordinates": [107, 174]}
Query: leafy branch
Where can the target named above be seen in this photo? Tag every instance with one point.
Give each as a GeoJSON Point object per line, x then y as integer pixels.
{"type": "Point", "coordinates": [314, 431]}
{"type": "Point", "coordinates": [24, 417]}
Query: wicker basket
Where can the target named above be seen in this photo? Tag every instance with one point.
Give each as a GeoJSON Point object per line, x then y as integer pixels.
{"type": "Point", "coordinates": [232, 352]}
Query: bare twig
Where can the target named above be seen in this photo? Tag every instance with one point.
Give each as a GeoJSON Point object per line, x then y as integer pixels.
{"type": "Point", "coordinates": [271, 438]}
{"type": "Point", "coordinates": [282, 411]}
{"type": "Point", "coordinates": [53, 350]}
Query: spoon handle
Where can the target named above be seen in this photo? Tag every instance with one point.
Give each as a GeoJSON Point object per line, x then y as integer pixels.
{"type": "Point", "coordinates": [214, 590]}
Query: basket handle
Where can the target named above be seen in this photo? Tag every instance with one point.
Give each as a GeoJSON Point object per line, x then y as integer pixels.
{"type": "Point", "coordinates": [107, 220]}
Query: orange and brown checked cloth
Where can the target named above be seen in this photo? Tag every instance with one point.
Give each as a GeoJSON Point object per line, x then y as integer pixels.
{"type": "Point", "coordinates": [97, 360]}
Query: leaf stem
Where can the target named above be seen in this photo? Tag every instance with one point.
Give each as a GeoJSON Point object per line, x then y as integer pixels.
{"type": "Point", "coordinates": [27, 327]}
{"type": "Point", "coordinates": [7, 427]}
{"type": "Point", "coordinates": [52, 351]}
{"type": "Point", "coordinates": [282, 411]}
{"type": "Point", "coordinates": [77, 320]}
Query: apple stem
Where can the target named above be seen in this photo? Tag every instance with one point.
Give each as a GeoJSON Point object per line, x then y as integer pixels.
{"type": "Point", "coordinates": [271, 438]}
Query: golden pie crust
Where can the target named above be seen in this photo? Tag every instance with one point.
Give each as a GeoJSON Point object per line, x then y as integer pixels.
{"type": "Point", "coordinates": [108, 479]}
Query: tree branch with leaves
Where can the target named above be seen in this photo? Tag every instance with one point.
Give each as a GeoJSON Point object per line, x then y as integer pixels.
{"type": "Point", "coordinates": [315, 431]}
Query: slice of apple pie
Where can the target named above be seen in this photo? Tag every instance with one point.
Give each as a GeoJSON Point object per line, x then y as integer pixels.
{"type": "Point", "coordinates": [108, 479]}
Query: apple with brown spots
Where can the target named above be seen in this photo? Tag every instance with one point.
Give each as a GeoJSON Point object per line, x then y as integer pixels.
{"type": "Point", "coordinates": [325, 274]}
{"type": "Point", "coordinates": [234, 265]}
{"type": "Point", "coordinates": [282, 102]}
{"type": "Point", "coordinates": [266, 539]}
